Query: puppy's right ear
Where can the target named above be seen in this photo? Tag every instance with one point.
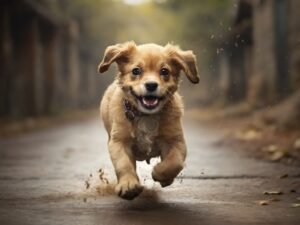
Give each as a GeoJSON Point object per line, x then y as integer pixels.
{"type": "Point", "coordinates": [115, 53]}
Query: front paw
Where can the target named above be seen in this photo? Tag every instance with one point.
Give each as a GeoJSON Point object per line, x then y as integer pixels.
{"type": "Point", "coordinates": [128, 188]}
{"type": "Point", "coordinates": [161, 179]}
{"type": "Point", "coordinates": [165, 173]}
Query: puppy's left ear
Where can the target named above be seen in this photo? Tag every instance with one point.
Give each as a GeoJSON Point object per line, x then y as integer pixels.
{"type": "Point", "coordinates": [186, 60]}
{"type": "Point", "coordinates": [115, 53]}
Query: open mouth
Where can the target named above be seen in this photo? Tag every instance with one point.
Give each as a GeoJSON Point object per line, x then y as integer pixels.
{"type": "Point", "coordinates": [148, 101]}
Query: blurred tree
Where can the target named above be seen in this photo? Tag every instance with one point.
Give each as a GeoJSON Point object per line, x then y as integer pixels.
{"type": "Point", "coordinates": [192, 24]}
{"type": "Point", "coordinates": [200, 22]}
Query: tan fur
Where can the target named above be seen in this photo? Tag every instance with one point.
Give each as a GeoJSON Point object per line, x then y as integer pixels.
{"type": "Point", "coordinates": [156, 134]}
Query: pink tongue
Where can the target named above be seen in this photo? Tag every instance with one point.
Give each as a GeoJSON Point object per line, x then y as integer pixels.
{"type": "Point", "coordinates": [150, 102]}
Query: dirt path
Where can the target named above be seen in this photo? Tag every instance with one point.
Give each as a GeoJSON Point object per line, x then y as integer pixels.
{"type": "Point", "coordinates": [52, 177]}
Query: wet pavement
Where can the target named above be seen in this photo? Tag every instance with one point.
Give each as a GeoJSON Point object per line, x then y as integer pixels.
{"type": "Point", "coordinates": [59, 176]}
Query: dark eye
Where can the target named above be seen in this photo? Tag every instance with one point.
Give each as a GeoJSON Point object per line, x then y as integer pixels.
{"type": "Point", "coordinates": [136, 71]}
{"type": "Point", "coordinates": [164, 72]}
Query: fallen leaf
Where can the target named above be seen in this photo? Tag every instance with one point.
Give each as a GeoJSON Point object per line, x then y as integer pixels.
{"type": "Point", "coordinates": [271, 148]}
{"type": "Point", "coordinates": [277, 156]}
{"type": "Point", "coordinates": [276, 152]}
{"type": "Point", "coordinates": [273, 193]}
{"type": "Point", "coordinates": [297, 144]}
{"type": "Point", "coordinates": [296, 205]}
{"type": "Point", "coordinates": [283, 176]}
{"type": "Point", "coordinates": [249, 135]}
{"type": "Point", "coordinates": [264, 202]}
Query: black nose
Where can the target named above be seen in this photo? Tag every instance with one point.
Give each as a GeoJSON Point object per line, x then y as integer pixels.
{"type": "Point", "coordinates": [151, 86]}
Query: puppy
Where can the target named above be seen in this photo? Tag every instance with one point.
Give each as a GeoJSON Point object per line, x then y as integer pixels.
{"type": "Point", "coordinates": [142, 111]}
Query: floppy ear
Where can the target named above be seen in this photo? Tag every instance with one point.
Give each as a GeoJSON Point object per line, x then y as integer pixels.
{"type": "Point", "coordinates": [115, 53]}
{"type": "Point", "coordinates": [186, 60]}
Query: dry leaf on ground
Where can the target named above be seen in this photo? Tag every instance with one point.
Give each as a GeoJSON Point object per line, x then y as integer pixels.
{"type": "Point", "coordinates": [273, 193]}
{"type": "Point", "coordinates": [276, 156]}
{"type": "Point", "coordinates": [248, 135]}
{"type": "Point", "coordinates": [297, 144]}
{"type": "Point", "coordinates": [296, 205]}
{"type": "Point", "coordinates": [283, 176]}
{"type": "Point", "coordinates": [264, 202]}
{"type": "Point", "coordinates": [271, 148]}
{"type": "Point", "coordinates": [276, 152]}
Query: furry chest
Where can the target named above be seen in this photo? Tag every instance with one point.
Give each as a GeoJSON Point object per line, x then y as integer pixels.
{"type": "Point", "coordinates": [145, 136]}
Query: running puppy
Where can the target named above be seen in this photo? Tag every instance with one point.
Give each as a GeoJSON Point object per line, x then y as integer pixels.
{"type": "Point", "coordinates": [142, 111]}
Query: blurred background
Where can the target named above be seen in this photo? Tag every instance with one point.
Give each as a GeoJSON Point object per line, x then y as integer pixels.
{"type": "Point", "coordinates": [248, 52]}
{"type": "Point", "coordinates": [241, 123]}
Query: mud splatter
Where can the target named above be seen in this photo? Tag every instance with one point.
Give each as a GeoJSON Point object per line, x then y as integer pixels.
{"type": "Point", "coordinates": [87, 184]}
{"type": "Point", "coordinates": [102, 176]}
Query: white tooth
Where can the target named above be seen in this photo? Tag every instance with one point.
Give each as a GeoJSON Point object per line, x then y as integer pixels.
{"type": "Point", "coordinates": [144, 101]}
